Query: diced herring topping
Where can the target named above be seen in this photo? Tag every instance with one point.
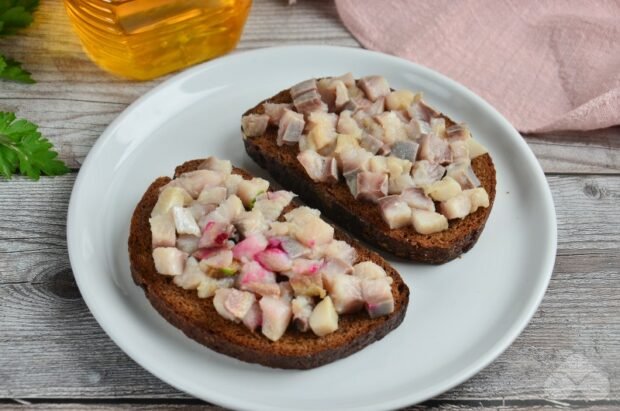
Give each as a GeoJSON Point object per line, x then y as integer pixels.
{"type": "Point", "coordinates": [291, 127]}
{"type": "Point", "coordinates": [381, 143]}
{"type": "Point", "coordinates": [306, 97]}
{"type": "Point", "coordinates": [428, 222]}
{"type": "Point", "coordinates": [377, 296]}
{"type": "Point", "coordinates": [371, 186]}
{"type": "Point", "coordinates": [395, 211]}
{"type": "Point", "coordinates": [324, 318]}
{"type": "Point", "coordinates": [416, 198]}
{"type": "Point", "coordinates": [275, 111]}
{"type": "Point", "coordinates": [374, 87]}
{"type": "Point", "coordinates": [255, 125]}
{"type": "Point", "coordinates": [444, 189]}
{"type": "Point", "coordinates": [302, 307]}
{"type": "Point", "coordinates": [226, 238]}
{"type": "Point", "coordinates": [463, 174]}
{"type": "Point", "coordinates": [319, 168]}
{"type": "Point", "coordinates": [169, 260]}
{"type": "Point", "coordinates": [163, 230]}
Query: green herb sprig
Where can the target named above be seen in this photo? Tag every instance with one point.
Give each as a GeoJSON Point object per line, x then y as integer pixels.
{"type": "Point", "coordinates": [12, 70]}
{"type": "Point", "coordinates": [15, 15]}
{"type": "Point", "coordinates": [23, 149]}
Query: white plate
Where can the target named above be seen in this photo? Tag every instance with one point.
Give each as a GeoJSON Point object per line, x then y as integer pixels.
{"type": "Point", "coordinates": [462, 315]}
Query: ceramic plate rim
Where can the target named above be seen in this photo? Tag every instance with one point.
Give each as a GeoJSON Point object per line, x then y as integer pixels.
{"type": "Point", "coordinates": [501, 344]}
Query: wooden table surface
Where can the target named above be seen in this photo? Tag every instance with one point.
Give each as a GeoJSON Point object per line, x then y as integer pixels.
{"type": "Point", "coordinates": [53, 354]}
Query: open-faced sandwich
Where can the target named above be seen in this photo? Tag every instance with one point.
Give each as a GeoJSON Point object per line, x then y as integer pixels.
{"type": "Point", "coordinates": [252, 274]}
{"type": "Point", "coordinates": [381, 163]}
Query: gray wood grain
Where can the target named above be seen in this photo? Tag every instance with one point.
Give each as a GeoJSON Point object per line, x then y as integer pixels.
{"type": "Point", "coordinates": [74, 100]}
{"type": "Point", "coordinates": [430, 406]}
{"type": "Point", "coordinates": [107, 407]}
{"type": "Point", "coordinates": [53, 348]}
{"type": "Point", "coordinates": [596, 151]}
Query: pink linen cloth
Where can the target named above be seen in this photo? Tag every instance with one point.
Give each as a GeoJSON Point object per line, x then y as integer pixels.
{"type": "Point", "coordinates": [546, 65]}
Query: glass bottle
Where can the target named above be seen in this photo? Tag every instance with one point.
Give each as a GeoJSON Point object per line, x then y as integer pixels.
{"type": "Point", "coordinates": [143, 39]}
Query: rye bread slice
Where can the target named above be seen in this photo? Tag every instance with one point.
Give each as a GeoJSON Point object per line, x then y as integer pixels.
{"type": "Point", "coordinates": [198, 319]}
{"type": "Point", "coordinates": [361, 218]}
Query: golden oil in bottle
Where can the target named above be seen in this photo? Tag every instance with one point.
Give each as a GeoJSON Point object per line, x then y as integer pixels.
{"type": "Point", "coordinates": [143, 39]}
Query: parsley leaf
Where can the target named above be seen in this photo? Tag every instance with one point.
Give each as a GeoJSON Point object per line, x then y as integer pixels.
{"type": "Point", "coordinates": [16, 14]}
{"type": "Point", "coordinates": [12, 70]}
{"type": "Point", "coordinates": [23, 148]}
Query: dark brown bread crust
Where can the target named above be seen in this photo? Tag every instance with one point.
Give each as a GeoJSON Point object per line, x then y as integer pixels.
{"type": "Point", "coordinates": [361, 218]}
{"type": "Point", "coordinates": [198, 319]}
